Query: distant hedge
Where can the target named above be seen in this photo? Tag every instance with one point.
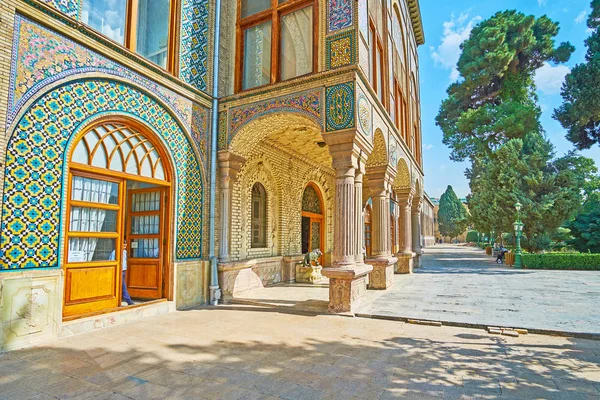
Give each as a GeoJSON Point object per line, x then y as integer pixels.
{"type": "Point", "coordinates": [573, 261]}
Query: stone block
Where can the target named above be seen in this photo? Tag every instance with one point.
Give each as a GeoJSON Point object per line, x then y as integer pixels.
{"type": "Point", "coordinates": [289, 267]}
{"type": "Point", "coordinates": [239, 277]}
{"type": "Point", "coordinates": [521, 331]}
{"type": "Point", "coordinates": [405, 263]}
{"type": "Point", "coordinates": [189, 284]}
{"type": "Point", "coordinates": [347, 288]}
{"type": "Point", "coordinates": [509, 332]}
{"type": "Point", "coordinates": [382, 276]}
{"type": "Point", "coordinates": [31, 305]}
{"type": "Point", "coordinates": [308, 274]}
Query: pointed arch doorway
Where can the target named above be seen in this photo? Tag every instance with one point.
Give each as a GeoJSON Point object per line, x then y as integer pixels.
{"type": "Point", "coordinates": [118, 190]}
{"type": "Point", "coordinates": [313, 220]}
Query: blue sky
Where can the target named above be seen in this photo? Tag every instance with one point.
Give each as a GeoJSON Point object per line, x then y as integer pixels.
{"type": "Point", "coordinates": [447, 24]}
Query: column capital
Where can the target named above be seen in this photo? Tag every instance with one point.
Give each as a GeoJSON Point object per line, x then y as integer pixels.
{"type": "Point", "coordinates": [405, 196]}
{"type": "Point", "coordinates": [348, 149]}
{"type": "Point", "coordinates": [380, 179]}
{"type": "Point", "coordinates": [230, 165]}
{"type": "Point", "coordinates": [417, 204]}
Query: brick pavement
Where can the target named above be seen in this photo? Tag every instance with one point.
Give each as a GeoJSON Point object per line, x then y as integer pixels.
{"type": "Point", "coordinates": [241, 352]}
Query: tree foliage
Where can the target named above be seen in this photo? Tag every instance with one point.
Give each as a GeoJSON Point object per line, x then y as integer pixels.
{"type": "Point", "coordinates": [580, 111]}
{"type": "Point", "coordinates": [525, 171]}
{"type": "Point", "coordinates": [495, 100]}
{"type": "Point", "coordinates": [452, 215]}
{"type": "Point", "coordinates": [585, 228]}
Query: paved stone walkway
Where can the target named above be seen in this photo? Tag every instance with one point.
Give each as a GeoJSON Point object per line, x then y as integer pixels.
{"type": "Point", "coordinates": [463, 285]}
{"type": "Point", "coordinates": [240, 352]}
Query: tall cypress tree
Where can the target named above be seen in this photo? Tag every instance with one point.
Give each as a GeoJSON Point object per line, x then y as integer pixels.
{"type": "Point", "coordinates": [580, 111]}
{"type": "Point", "coordinates": [452, 215]}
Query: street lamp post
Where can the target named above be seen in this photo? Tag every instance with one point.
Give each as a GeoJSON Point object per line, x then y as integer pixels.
{"type": "Point", "coordinates": [518, 225]}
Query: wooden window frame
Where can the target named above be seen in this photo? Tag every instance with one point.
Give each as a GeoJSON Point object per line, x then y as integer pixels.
{"type": "Point", "coordinates": [377, 50]}
{"type": "Point", "coordinates": [130, 40]}
{"type": "Point", "coordinates": [273, 15]}
{"type": "Point", "coordinates": [263, 219]}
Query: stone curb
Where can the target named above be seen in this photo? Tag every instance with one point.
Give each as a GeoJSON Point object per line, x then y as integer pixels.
{"type": "Point", "coordinates": [548, 332]}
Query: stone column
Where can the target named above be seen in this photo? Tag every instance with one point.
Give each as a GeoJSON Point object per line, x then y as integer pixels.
{"type": "Point", "coordinates": [229, 166]}
{"type": "Point", "coordinates": [347, 278]}
{"type": "Point", "coordinates": [358, 204]}
{"type": "Point", "coordinates": [405, 254]}
{"type": "Point", "coordinates": [416, 231]}
{"type": "Point", "coordinates": [382, 260]}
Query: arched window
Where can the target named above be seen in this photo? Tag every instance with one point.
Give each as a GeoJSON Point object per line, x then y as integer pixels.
{"type": "Point", "coordinates": [121, 148]}
{"type": "Point", "coordinates": [259, 216]}
{"type": "Point", "coordinates": [368, 229]}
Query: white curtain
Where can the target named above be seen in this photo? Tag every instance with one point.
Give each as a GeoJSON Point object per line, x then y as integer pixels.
{"type": "Point", "coordinates": [86, 219]}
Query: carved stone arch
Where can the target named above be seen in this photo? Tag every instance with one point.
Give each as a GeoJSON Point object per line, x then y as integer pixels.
{"type": "Point", "coordinates": [180, 114]}
{"type": "Point", "coordinates": [323, 183]}
{"type": "Point", "coordinates": [36, 149]}
{"type": "Point", "coordinates": [245, 138]}
{"type": "Point", "coordinates": [402, 180]}
{"type": "Point", "coordinates": [379, 155]}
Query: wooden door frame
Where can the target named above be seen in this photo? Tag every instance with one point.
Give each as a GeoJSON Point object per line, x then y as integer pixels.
{"type": "Point", "coordinates": [106, 174]}
{"type": "Point", "coordinates": [315, 217]}
{"type": "Point", "coordinates": [163, 226]}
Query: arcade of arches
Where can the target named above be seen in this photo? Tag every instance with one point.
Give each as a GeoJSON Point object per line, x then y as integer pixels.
{"type": "Point", "coordinates": [287, 191]}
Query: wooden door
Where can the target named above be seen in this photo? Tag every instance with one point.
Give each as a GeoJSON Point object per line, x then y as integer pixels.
{"type": "Point", "coordinates": [93, 244]}
{"type": "Point", "coordinates": [312, 234]}
{"type": "Point", "coordinates": [368, 230]}
{"type": "Point", "coordinates": [146, 241]}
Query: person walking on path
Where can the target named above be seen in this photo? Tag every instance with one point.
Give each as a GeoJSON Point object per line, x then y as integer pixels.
{"type": "Point", "coordinates": [125, 294]}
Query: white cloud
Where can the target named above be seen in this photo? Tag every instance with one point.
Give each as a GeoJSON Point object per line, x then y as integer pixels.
{"type": "Point", "coordinates": [549, 79]}
{"type": "Point", "coordinates": [456, 31]}
{"type": "Point", "coordinates": [580, 19]}
{"type": "Point", "coordinates": [542, 3]}
{"type": "Point", "coordinates": [428, 146]}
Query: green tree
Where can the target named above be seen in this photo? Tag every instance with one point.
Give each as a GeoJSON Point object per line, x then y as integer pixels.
{"type": "Point", "coordinates": [525, 171]}
{"type": "Point", "coordinates": [495, 99]}
{"type": "Point", "coordinates": [585, 228]}
{"type": "Point", "coordinates": [580, 111]}
{"type": "Point", "coordinates": [452, 215]}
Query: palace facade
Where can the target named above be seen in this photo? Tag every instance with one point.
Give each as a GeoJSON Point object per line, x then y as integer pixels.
{"type": "Point", "coordinates": [205, 146]}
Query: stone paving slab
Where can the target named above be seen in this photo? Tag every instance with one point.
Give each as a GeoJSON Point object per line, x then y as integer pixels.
{"type": "Point", "coordinates": [463, 285]}
{"type": "Point", "coordinates": [244, 352]}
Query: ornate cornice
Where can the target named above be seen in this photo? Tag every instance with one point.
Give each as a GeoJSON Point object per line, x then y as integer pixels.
{"type": "Point", "coordinates": [417, 21]}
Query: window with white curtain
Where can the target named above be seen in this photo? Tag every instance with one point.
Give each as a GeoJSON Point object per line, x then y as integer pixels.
{"type": "Point", "coordinates": [92, 218]}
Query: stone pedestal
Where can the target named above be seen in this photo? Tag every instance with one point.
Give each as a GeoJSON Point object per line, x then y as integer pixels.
{"type": "Point", "coordinates": [405, 263]}
{"type": "Point", "coordinates": [289, 267]}
{"type": "Point", "coordinates": [382, 276]}
{"type": "Point", "coordinates": [347, 287]}
{"type": "Point", "coordinates": [311, 274]}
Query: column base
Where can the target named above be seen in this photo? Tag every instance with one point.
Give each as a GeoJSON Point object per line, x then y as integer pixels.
{"type": "Point", "coordinates": [417, 262]}
{"type": "Point", "coordinates": [405, 263]}
{"type": "Point", "coordinates": [382, 276]}
{"type": "Point", "coordinates": [347, 287]}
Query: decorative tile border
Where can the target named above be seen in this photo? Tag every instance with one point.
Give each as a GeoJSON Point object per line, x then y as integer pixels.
{"type": "Point", "coordinates": [67, 7]}
{"type": "Point", "coordinates": [364, 115]}
{"type": "Point", "coordinates": [341, 50]}
{"type": "Point", "coordinates": [339, 105]}
{"type": "Point", "coordinates": [340, 14]}
{"type": "Point", "coordinates": [308, 103]}
{"type": "Point", "coordinates": [193, 53]}
{"type": "Point", "coordinates": [35, 167]}
{"type": "Point", "coordinates": [41, 57]}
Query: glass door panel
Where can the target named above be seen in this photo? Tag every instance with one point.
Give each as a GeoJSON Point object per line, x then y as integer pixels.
{"type": "Point", "coordinates": [146, 239]}
{"type": "Point", "coordinates": [93, 246]}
